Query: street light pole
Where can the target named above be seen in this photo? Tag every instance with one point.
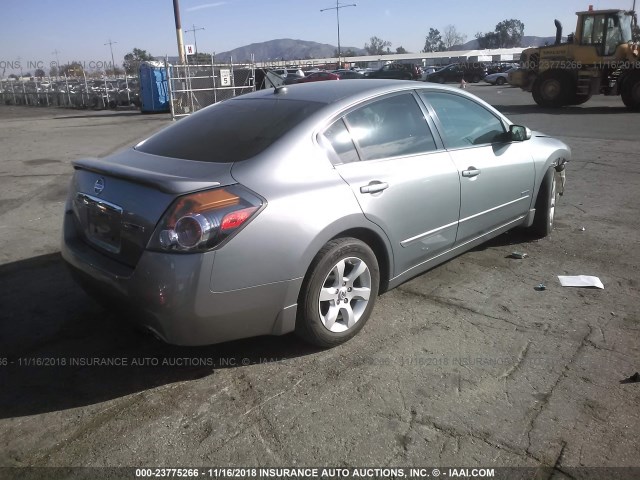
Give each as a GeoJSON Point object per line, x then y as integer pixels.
{"type": "Point", "coordinates": [337, 9]}
{"type": "Point", "coordinates": [113, 63]}
{"type": "Point", "coordinates": [195, 40]}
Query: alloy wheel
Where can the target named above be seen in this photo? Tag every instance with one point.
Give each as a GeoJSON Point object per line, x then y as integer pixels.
{"type": "Point", "coordinates": [345, 294]}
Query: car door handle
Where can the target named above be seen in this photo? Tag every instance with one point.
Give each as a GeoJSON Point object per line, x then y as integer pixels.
{"type": "Point", "coordinates": [374, 187]}
{"type": "Point", "coordinates": [471, 172]}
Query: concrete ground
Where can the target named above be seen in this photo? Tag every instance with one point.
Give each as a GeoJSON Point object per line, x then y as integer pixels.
{"type": "Point", "coordinates": [466, 365]}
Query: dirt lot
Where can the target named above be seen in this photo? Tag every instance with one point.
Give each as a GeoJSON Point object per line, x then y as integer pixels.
{"type": "Point", "coordinates": [466, 365]}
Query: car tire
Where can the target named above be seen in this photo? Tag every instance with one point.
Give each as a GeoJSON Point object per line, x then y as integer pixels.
{"type": "Point", "coordinates": [475, 79]}
{"type": "Point", "coordinates": [500, 81]}
{"type": "Point", "coordinates": [551, 89]}
{"type": "Point", "coordinates": [631, 92]}
{"type": "Point", "coordinates": [338, 293]}
{"type": "Point", "coordinates": [545, 206]}
{"type": "Point", "coordinates": [440, 80]}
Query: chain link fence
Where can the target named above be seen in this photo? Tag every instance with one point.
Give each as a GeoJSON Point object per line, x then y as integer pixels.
{"type": "Point", "coordinates": [193, 87]}
{"type": "Point", "coordinates": [71, 92]}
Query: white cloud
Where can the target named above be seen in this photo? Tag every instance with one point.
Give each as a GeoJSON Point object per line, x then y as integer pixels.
{"type": "Point", "coordinates": [206, 5]}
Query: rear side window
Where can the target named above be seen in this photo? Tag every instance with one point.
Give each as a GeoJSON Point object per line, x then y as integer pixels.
{"type": "Point", "coordinates": [391, 127]}
{"type": "Point", "coordinates": [230, 131]}
{"type": "Point", "coordinates": [465, 123]}
{"type": "Point", "coordinates": [338, 137]}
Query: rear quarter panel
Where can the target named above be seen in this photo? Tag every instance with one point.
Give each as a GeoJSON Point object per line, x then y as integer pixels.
{"type": "Point", "coordinates": [308, 204]}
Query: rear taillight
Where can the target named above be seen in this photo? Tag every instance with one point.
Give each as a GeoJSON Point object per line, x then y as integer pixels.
{"type": "Point", "coordinates": [204, 220]}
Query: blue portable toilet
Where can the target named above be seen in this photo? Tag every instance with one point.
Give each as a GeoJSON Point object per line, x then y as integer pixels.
{"type": "Point", "coordinates": [154, 87]}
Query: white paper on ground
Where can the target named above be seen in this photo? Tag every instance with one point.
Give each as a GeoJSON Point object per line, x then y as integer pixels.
{"type": "Point", "coordinates": [580, 281]}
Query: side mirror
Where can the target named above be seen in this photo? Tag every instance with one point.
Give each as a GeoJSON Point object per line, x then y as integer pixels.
{"type": "Point", "coordinates": [519, 133]}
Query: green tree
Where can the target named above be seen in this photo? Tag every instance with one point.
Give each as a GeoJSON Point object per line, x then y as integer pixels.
{"type": "Point", "coordinates": [488, 40]}
{"type": "Point", "coordinates": [510, 33]}
{"type": "Point", "coordinates": [433, 41]}
{"type": "Point", "coordinates": [636, 33]}
{"type": "Point", "coordinates": [132, 60]}
{"type": "Point", "coordinates": [507, 34]}
{"type": "Point", "coordinates": [344, 53]}
{"type": "Point", "coordinates": [377, 46]}
{"type": "Point", "coordinates": [39, 73]}
{"type": "Point", "coordinates": [200, 58]}
{"type": "Point", "coordinates": [73, 69]}
{"type": "Point", "coordinates": [401, 50]}
{"type": "Point", "coordinates": [53, 71]}
{"type": "Point", "coordinates": [451, 37]}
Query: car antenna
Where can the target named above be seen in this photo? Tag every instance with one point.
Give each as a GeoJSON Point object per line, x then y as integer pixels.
{"type": "Point", "coordinates": [280, 89]}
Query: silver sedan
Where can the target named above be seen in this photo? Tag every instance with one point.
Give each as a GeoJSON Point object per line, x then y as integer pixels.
{"type": "Point", "coordinates": [499, 78]}
{"type": "Point", "coordinates": [291, 209]}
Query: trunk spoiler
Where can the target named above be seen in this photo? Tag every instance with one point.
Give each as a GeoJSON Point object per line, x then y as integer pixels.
{"type": "Point", "coordinates": [164, 174]}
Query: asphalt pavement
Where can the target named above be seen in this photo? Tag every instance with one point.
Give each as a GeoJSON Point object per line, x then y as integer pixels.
{"type": "Point", "coordinates": [465, 365]}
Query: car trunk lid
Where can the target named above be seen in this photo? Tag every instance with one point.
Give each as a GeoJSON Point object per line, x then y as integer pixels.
{"type": "Point", "coordinates": [117, 201]}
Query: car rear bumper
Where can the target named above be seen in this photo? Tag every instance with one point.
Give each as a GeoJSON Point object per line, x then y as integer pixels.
{"type": "Point", "coordinates": [170, 295]}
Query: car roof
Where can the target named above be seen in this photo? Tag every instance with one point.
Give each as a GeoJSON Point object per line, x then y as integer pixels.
{"type": "Point", "coordinates": [332, 92]}
{"type": "Point", "coordinates": [338, 96]}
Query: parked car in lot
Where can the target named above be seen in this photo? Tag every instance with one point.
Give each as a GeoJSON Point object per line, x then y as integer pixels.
{"type": "Point", "coordinates": [498, 78]}
{"type": "Point", "coordinates": [348, 74]}
{"type": "Point", "coordinates": [456, 72]}
{"type": "Point", "coordinates": [426, 71]}
{"type": "Point", "coordinates": [400, 71]}
{"type": "Point", "coordinates": [290, 75]}
{"type": "Point", "coordinates": [318, 77]}
{"type": "Point", "coordinates": [500, 67]}
{"type": "Point", "coordinates": [292, 208]}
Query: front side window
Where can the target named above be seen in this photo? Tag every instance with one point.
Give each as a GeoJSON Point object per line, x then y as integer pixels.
{"type": "Point", "coordinates": [465, 123]}
{"type": "Point", "coordinates": [391, 127]}
{"type": "Point", "coordinates": [593, 30]}
{"type": "Point", "coordinates": [587, 30]}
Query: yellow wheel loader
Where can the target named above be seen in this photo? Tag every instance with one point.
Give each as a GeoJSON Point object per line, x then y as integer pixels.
{"type": "Point", "coordinates": [600, 58]}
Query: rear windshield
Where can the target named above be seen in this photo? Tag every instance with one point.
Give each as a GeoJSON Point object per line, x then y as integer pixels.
{"type": "Point", "coordinates": [231, 131]}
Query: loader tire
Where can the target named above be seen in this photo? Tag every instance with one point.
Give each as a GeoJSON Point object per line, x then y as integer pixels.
{"type": "Point", "coordinates": [552, 89]}
{"type": "Point", "coordinates": [631, 92]}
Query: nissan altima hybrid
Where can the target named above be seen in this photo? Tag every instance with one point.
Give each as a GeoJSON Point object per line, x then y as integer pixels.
{"type": "Point", "coordinates": [291, 209]}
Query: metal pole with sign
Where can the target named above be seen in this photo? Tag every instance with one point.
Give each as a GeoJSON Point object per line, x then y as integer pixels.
{"type": "Point", "coordinates": [176, 15]}
{"type": "Point", "coordinates": [195, 40]}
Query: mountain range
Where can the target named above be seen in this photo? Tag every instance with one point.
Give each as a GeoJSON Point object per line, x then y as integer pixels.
{"type": "Point", "coordinates": [289, 49]}
{"type": "Point", "coordinates": [284, 49]}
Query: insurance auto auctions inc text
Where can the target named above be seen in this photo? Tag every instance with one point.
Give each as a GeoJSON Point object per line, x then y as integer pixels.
{"type": "Point", "coordinates": [328, 473]}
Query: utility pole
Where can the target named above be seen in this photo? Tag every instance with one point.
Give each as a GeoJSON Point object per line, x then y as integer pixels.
{"type": "Point", "coordinates": [337, 9]}
{"type": "Point", "coordinates": [176, 14]}
{"type": "Point", "coordinates": [113, 63]}
{"type": "Point", "coordinates": [195, 40]}
{"type": "Point", "coordinates": [56, 52]}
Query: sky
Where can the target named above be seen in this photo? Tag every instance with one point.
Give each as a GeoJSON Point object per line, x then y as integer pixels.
{"type": "Point", "coordinates": [32, 30]}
